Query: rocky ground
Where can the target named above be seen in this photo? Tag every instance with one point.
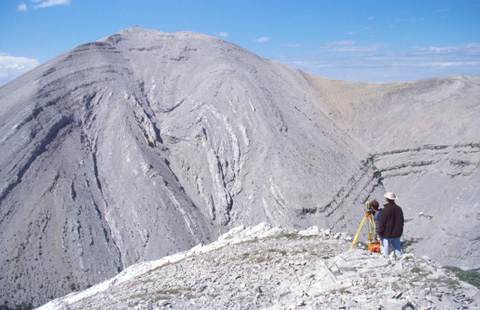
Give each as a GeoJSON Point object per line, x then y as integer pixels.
{"type": "Point", "coordinates": [266, 267]}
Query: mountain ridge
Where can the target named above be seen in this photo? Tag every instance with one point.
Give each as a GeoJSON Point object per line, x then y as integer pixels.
{"type": "Point", "coordinates": [278, 268]}
{"type": "Point", "coordinates": [144, 144]}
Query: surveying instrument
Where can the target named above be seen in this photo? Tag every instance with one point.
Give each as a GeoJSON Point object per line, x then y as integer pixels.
{"type": "Point", "coordinates": [374, 245]}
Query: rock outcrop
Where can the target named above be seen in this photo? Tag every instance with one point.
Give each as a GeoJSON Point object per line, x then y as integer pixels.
{"type": "Point", "coordinates": [144, 144]}
{"type": "Point", "coordinates": [422, 142]}
{"type": "Point", "coordinates": [266, 267]}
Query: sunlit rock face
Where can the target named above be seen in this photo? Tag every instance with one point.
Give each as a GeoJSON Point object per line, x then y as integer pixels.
{"type": "Point", "coordinates": [423, 141]}
{"type": "Point", "coordinates": [144, 143]}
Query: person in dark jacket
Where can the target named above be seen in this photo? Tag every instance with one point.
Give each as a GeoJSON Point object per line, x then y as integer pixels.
{"type": "Point", "coordinates": [376, 217]}
{"type": "Point", "coordinates": [391, 226]}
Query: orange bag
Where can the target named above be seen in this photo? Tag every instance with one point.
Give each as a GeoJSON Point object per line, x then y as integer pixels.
{"type": "Point", "coordinates": [374, 247]}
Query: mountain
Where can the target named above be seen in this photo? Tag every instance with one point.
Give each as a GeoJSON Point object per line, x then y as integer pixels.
{"type": "Point", "coordinates": [264, 267]}
{"type": "Point", "coordinates": [144, 144]}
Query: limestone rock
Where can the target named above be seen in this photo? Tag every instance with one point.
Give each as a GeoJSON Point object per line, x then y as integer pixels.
{"type": "Point", "coordinates": [264, 267]}
{"type": "Point", "coordinates": [144, 144]}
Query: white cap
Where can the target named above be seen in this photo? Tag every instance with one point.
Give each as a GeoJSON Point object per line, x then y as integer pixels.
{"type": "Point", "coordinates": [390, 196]}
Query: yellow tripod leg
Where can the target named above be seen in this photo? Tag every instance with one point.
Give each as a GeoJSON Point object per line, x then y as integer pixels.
{"type": "Point", "coordinates": [358, 232]}
{"type": "Point", "coordinates": [371, 228]}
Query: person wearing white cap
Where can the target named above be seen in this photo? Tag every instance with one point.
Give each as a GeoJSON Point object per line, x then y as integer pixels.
{"type": "Point", "coordinates": [391, 226]}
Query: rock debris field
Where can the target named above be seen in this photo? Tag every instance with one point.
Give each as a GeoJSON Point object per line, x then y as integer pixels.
{"type": "Point", "coordinates": [265, 267]}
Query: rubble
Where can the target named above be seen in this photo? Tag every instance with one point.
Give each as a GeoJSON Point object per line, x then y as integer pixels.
{"type": "Point", "coordinates": [265, 267]}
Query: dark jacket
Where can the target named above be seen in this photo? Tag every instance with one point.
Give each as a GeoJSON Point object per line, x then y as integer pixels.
{"type": "Point", "coordinates": [376, 219]}
{"type": "Point", "coordinates": [391, 221]}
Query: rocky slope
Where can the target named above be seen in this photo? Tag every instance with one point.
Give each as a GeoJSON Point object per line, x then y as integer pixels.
{"type": "Point", "coordinates": [422, 137]}
{"type": "Point", "coordinates": [144, 144]}
{"type": "Point", "coordinates": [266, 267]}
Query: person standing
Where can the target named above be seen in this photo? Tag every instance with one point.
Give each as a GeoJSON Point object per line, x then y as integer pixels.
{"type": "Point", "coordinates": [376, 217]}
{"type": "Point", "coordinates": [391, 226]}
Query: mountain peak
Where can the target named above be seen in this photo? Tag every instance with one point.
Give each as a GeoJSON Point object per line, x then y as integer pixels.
{"type": "Point", "coordinates": [137, 37]}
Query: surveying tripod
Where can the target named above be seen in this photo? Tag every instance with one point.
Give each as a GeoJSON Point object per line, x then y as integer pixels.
{"type": "Point", "coordinates": [374, 246]}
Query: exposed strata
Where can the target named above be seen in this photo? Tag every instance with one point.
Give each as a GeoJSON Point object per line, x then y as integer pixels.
{"type": "Point", "coordinates": [144, 144]}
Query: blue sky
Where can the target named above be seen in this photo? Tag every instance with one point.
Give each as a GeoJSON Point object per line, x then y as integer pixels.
{"type": "Point", "coordinates": [354, 40]}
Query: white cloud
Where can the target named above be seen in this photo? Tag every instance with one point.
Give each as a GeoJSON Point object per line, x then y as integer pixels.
{"type": "Point", "coordinates": [417, 64]}
{"type": "Point", "coordinates": [48, 3]}
{"type": "Point", "coordinates": [349, 46]}
{"type": "Point", "coordinates": [22, 7]}
{"type": "Point", "coordinates": [262, 39]}
{"type": "Point", "coordinates": [450, 64]}
{"type": "Point", "coordinates": [293, 45]}
{"type": "Point", "coordinates": [12, 67]}
{"type": "Point", "coordinates": [223, 34]}
{"type": "Point", "coordinates": [437, 50]}
{"type": "Point", "coordinates": [471, 48]}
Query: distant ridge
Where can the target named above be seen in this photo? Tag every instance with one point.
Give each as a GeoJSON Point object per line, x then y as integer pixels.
{"type": "Point", "coordinates": [145, 143]}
